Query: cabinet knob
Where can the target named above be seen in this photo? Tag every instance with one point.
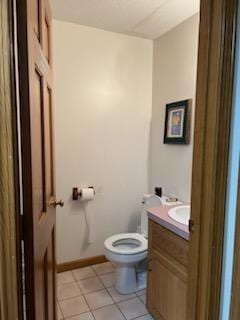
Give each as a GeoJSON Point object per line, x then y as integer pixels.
{"type": "Point", "coordinates": [191, 226]}
{"type": "Point", "coordinates": [149, 268]}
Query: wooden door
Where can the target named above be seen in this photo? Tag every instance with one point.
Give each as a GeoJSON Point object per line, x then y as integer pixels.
{"type": "Point", "coordinates": [210, 157]}
{"type": "Point", "coordinates": [36, 90]}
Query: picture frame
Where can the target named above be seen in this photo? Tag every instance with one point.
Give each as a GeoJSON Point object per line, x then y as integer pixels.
{"type": "Point", "coordinates": [178, 122]}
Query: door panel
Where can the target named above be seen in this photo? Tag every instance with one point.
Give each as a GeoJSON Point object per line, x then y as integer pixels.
{"type": "Point", "coordinates": [36, 9]}
{"type": "Point", "coordinates": [37, 149]}
{"type": "Point", "coordinates": [38, 169]}
{"type": "Point", "coordinates": [46, 38]}
{"type": "Point", "coordinates": [49, 146]}
{"type": "Point", "coordinates": [46, 31]}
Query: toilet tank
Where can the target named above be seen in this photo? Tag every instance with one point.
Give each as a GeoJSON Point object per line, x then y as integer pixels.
{"type": "Point", "coordinates": [149, 201]}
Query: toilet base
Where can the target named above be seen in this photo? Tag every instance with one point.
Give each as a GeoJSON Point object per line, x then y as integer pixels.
{"type": "Point", "coordinates": [126, 279]}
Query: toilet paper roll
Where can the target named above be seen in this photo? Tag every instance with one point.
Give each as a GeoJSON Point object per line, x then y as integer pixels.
{"type": "Point", "coordinates": [87, 194]}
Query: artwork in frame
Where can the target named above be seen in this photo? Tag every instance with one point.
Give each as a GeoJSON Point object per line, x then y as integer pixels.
{"type": "Point", "coordinates": [177, 122]}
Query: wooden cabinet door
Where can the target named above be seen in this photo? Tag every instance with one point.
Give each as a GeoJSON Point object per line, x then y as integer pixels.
{"type": "Point", "coordinates": [36, 102]}
{"type": "Point", "coordinates": [167, 288]}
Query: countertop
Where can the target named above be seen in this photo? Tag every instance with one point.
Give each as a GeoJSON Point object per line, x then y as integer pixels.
{"type": "Point", "coordinates": [160, 216]}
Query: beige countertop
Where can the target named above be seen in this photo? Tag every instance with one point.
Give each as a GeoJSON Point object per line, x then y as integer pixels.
{"type": "Point", "coordinates": [160, 216]}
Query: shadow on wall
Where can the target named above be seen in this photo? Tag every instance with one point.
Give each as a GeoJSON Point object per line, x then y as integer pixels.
{"type": "Point", "coordinates": [174, 79]}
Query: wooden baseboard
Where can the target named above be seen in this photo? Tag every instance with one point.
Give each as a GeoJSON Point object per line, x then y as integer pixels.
{"type": "Point", "coordinates": [66, 266]}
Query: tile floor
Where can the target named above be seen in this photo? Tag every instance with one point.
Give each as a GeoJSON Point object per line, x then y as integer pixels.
{"type": "Point", "coordinates": [88, 294]}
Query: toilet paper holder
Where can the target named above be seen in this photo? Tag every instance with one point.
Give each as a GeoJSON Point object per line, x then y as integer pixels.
{"type": "Point", "coordinates": [76, 193]}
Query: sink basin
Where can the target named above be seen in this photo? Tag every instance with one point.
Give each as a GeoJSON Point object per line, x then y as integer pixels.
{"type": "Point", "coordinates": [180, 214]}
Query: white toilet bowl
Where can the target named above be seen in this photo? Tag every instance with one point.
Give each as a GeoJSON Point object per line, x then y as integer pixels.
{"type": "Point", "coordinates": [126, 250]}
{"type": "Point", "coordinates": [129, 250]}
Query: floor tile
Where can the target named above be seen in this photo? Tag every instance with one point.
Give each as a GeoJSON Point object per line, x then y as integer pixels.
{"type": "Point", "coordinates": [68, 290]}
{"type": "Point", "coordinates": [84, 273]}
{"type": "Point", "coordinates": [117, 297]}
{"type": "Point", "coordinates": [108, 313]}
{"type": "Point", "coordinates": [146, 317]}
{"type": "Point", "coordinates": [74, 306]}
{"type": "Point", "coordinates": [143, 298]}
{"type": "Point", "coordinates": [107, 279]}
{"type": "Point", "coordinates": [103, 268]}
{"type": "Point", "coordinates": [83, 316]}
{"type": "Point", "coordinates": [133, 308]}
{"type": "Point", "coordinates": [98, 299]}
{"type": "Point", "coordinates": [65, 277]}
{"type": "Point", "coordinates": [90, 285]}
{"type": "Point", "coordinates": [141, 292]}
{"type": "Point", "coordinates": [59, 313]}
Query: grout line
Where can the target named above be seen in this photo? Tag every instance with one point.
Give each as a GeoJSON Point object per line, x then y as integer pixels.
{"type": "Point", "coordinates": [142, 302]}
{"type": "Point", "coordinates": [86, 293]}
{"type": "Point", "coordinates": [132, 299]}
{"type": "Point", "coordinates": [143, 316]}
{"type": "Point", "coordinates": [98, 276]}
{"type": "Point", "coordinates": [79, 287]}
{"type": "Point", "coordinates": [69, 298]}
{"type": "Point", "coordinates": [90, 310]}
{"type": "Point", "coordinates": [121, 311]}
{"type": "Point", "coordinates": [92, 276]}
{"type": "Point", "coordinates": [90, 291]}
{"type": "Point", "coordinates": [125, 299]}
{"type": "Point", "coordinates": [114, 304]}
{"type": "Point", "coordinates": [60, 284]}
{"type": "Point", "coordinates": [58, 304]}
{"type": "Point", "coordinates": [110, 304]}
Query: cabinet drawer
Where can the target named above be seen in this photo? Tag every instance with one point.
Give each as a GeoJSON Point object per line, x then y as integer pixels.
{"type": "Point", "coordinates": [173, 245]}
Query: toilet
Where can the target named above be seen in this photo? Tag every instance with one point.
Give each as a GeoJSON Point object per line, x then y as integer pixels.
{"type": "Point", "coordinates": [128, 251]}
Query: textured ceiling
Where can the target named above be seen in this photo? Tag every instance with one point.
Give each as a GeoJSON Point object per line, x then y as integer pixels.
{"type": "Point", "coordinates": [142, 18]}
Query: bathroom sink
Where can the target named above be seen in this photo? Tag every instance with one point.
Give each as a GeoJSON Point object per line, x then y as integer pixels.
{"type": "Point", "coordinates": [180, 214]}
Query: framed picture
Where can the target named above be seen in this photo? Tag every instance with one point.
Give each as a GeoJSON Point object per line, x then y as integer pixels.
{"type": "Point", "coordinates": [177, 122]}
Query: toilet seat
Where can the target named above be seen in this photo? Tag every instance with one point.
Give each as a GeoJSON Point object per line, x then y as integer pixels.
{"type": "Point", "coordinates": [126, 243]}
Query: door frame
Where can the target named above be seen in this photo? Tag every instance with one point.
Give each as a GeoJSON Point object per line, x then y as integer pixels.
{"type": "Point", "coordinates": [210, 161]}
{"type": "Point", "coordinates": [13, 100]}
{"type": "Point", "coordinates": [235, 301]}
{"type": "Point", "coordinates": [211, 151]}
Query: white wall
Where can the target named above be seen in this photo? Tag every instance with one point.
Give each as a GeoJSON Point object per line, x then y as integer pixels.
{"type": "Point", "coordinates": [174, 79]}
{"type": "Point", "coordinates": [103, 94]}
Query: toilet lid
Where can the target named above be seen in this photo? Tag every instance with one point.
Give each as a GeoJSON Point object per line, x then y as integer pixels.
{"type": "Point", "coordinates": [126, 243]}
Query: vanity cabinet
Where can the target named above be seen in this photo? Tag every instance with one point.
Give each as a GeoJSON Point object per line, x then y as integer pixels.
{"type": "Point", "coordinates": [167, 274]}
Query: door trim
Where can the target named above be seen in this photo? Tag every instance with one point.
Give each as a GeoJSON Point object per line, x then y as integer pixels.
{"type": "Point", "coordinates": [210, 165]}
{"type": "Point", "coordinates": [211, 150]}
{"type": "Point", "coordinates": [76, 264]}
{"type": "Point", "coordinates": [235, 302]}
{"type": "Point", "coordinates": [16, 218]}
